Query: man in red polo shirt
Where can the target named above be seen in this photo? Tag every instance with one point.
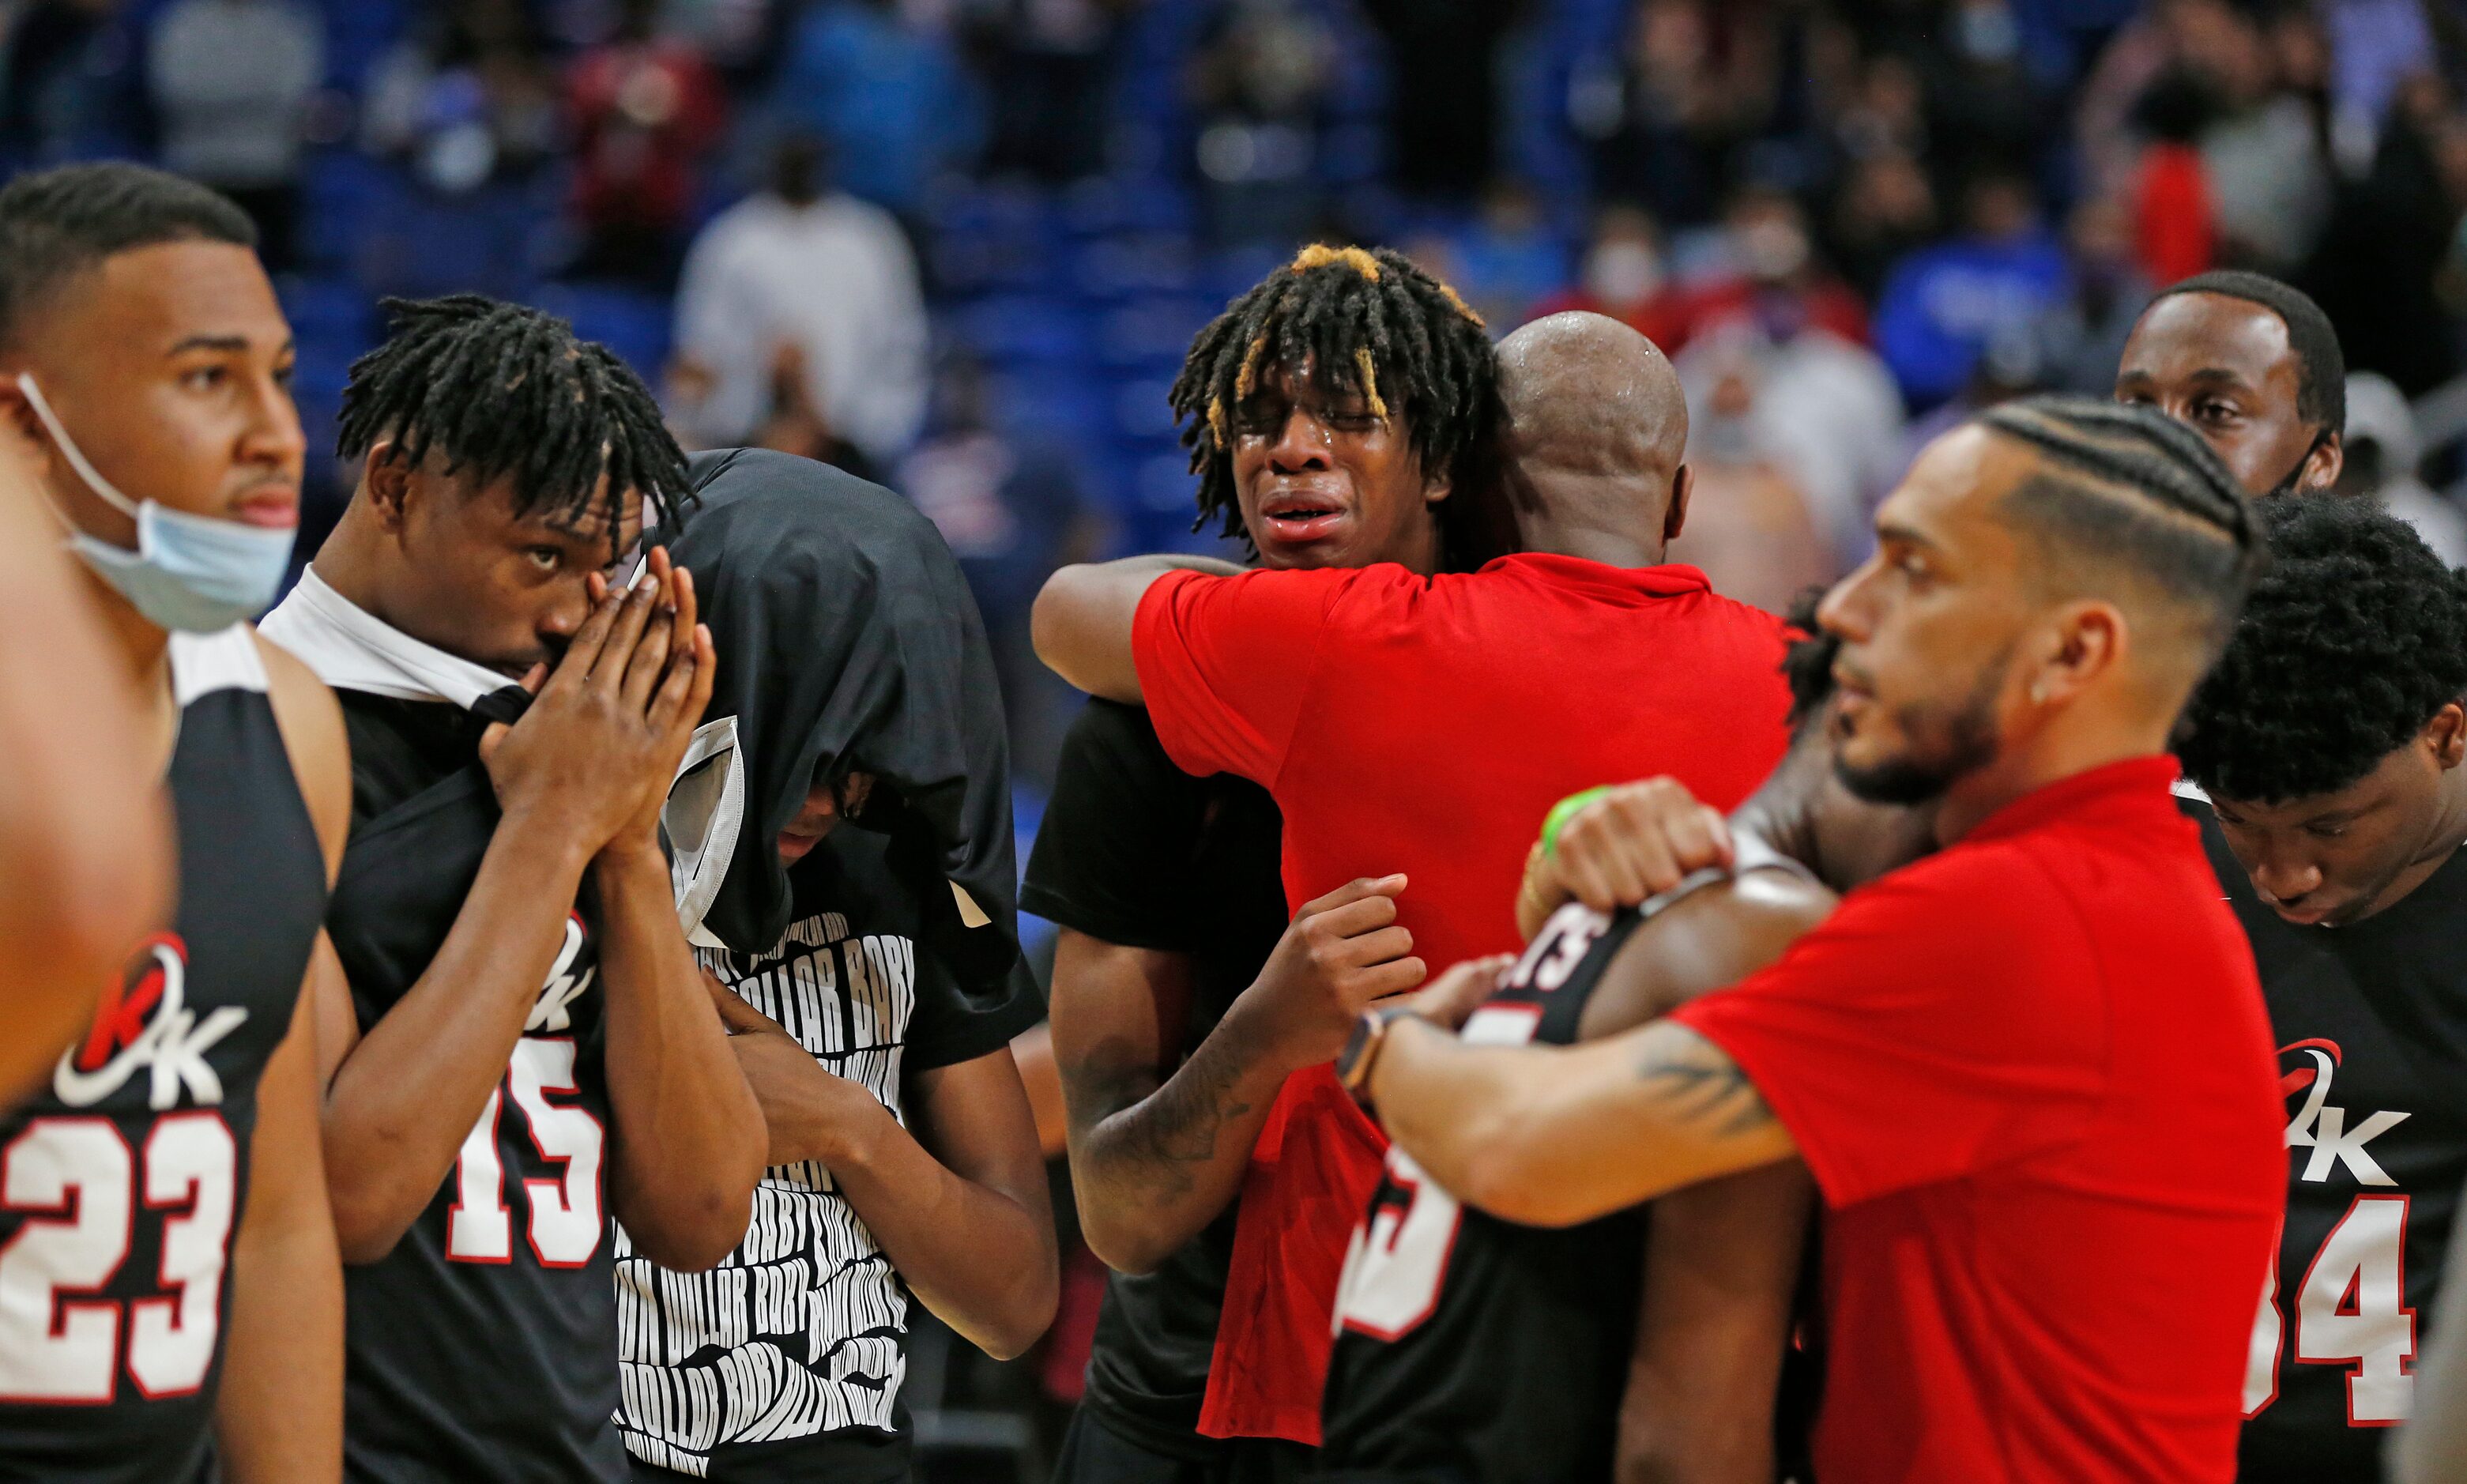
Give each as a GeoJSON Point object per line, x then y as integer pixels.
{"type": "Point", "coordinates": [1424, 725]}
{"type": "Point", "coordinates": [2031, 1073]}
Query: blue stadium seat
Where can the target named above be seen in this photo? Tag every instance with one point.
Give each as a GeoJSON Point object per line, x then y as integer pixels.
{"type": "Point", "coordinates": [1013, 329]}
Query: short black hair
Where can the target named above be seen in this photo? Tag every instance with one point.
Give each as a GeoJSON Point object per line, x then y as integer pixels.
{"type": "Point", "coordinates": [2321, 366]}
{"type": "Point", "coordinates": [2129, 490]}
{"type": "Point", "coordinates": [1371, 324]}
{"type": "Point", "coordinates": [2352, 641]}
{"type": "Point", "coordinates": [55, 224]}
{"type": "Point", "coordinates": [502, 389]}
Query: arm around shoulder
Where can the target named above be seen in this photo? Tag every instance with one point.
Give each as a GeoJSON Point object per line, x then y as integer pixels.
{"type": "Point", "coordinates": [1083, 619]}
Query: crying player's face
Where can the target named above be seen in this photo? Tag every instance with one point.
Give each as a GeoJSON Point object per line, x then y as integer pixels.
{"type": "Point", "coordinates": [502, 589]}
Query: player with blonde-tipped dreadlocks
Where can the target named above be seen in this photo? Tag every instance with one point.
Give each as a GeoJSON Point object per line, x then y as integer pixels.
{"type": "Point", "coordinates": [1156, 1005]}
{"type": "Point", "coordinates": [1384, 358]}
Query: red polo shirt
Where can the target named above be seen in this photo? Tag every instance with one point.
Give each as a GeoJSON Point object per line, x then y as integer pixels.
{"type": "Point", "coordinates": [1424, 725]}
{"type": "Point", "coordinates": [2035, 1080]}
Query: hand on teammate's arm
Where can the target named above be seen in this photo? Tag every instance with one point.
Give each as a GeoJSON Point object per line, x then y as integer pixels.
{"type": "Point", "coordinates": [1634, 841]}
{"type": "Point", "coordinates": [1554, 1135]}
{"type": "Point", "coordinates": [959, 1207]}
{"type": "Point", "coordinates": [1081, 622]}
{"type": "Point", "coordinates": [690, 1137]}
{"type": "Point", "coordinates": [1155, 1158]}
{"type": "Point", "coordinates": [401, 1099]}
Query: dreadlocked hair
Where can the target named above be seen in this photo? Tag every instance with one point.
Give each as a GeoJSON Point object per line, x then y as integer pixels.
{"type": "Point", "coordinates": [2353, 640]}
{"type": "Point", "coordinates": [1368, 323]}
{"type": "Point", "coordinates": [505, 391]}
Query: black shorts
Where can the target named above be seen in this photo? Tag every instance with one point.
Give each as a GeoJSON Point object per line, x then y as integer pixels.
{"type": "Point", "coordinates": [1095, 1453]}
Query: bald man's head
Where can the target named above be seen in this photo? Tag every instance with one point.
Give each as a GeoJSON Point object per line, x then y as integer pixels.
{"type": "Point", "coordinates": [1594, 431]}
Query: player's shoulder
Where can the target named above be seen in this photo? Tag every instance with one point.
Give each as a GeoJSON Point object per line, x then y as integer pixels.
{"type": "Point", "coordinates": [310, 720]}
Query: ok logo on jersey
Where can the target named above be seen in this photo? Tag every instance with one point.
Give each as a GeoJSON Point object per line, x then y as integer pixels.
{"type": "Point", "coordinates": [2321, 1126]}
{"type": "Point", "coordinates": [144, 1021]}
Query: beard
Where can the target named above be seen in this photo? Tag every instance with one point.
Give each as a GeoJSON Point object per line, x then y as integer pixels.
{"type": "Point", "coordinates": [1940, 753]}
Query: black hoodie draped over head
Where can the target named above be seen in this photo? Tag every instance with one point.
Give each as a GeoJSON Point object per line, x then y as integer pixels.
{"type": "Point", "coordinates": [848, 643]}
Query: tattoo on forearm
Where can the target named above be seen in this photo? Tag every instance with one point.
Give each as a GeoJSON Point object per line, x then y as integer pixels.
{"type": "Point", "coordinates": [1704, 1085]}
{"type": "Point", "coordinates": [1159, 1130]}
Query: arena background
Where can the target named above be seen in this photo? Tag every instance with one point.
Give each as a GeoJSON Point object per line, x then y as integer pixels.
{"type": "Point", "coordinates": [1849, 223]}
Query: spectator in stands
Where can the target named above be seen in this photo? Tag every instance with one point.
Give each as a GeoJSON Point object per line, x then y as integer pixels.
{"type": "Point", "coordinates": [1507, 258]}
{"type": "Point", "coordinates": [2082, 337]}
{"type": "Point", "coordinates": [232, 82]}
{"type": "Point", "coordinates": [1049, 67]}
{"type": "Point", "coordinates": [1013, 511]}
{"type": "Point", "coordinates": [1885, 209]}
{"type": "Point", "coordinates": [806, 265]}
{"type": "Point", "coordinates": [2263, 149]}
{"type": "Point", "coordinates": [888, 94]}
{"type": "Point", "coordinates": [1698, 81]}
{"type": "Point", "coordinates": [2382, 451]}
{"type": "Point", "coordinates": [1941, 306]}
{"type": "Point", "coordinates": [1770, 271]}
{"type": "Point", "coordinates": [1442, 112]}
{"type": "Point", "coordinates": [1258, 80]}
{"type": "Point", "coordinates": [69, 90]}
{"type": "Point", "coordinates": [1817, 407]}
{"type": "Point", "coordinates": [1622, 275]}
{"type": "Point", "coordinates": [1748, 523]}
{"type": "Point", "coordinates": [2388, 235]}
{"type": "Point", "coordinates": [645, 108]}
{"type": "Point", "coordinates": [467, 101]}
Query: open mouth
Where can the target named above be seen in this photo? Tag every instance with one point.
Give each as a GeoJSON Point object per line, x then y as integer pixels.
{"type": "Point", "coordinates": [1300, 517]}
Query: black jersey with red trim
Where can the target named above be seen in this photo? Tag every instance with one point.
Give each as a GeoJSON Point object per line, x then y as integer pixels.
{"type": "Point", "coordinates": [2371, 1022]}
{"type": "Point", "coordinates": [123, 1180]}
{"type": "Point", "coordinates": [484, 1346]}
{"type": "Point", "coordinates": [1473, 1349]}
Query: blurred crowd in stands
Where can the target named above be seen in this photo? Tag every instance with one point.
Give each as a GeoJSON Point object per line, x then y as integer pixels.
{"type": "Point", "coordinates": [960, 245]}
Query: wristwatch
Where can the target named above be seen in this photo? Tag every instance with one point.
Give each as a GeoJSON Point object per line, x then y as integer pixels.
{"type": "Point", "coordinates": [1362, 1049]}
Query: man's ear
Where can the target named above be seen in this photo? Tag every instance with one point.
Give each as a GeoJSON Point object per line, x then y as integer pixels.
{"type": "Point", "coordinates": [2447, 735]}
{"type": "Point", "coordinates": [2091, 639]}
{"type": "Point", "coordinates": [1682, 484]}
{"type": "Point", "coordinates": [385, 482]}
{"type": "Point", "coordinates": [1436, 487]}
{"type": "Point", "coordinates": [2324, 466]}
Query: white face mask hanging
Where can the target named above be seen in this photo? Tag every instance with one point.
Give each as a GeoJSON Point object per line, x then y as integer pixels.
{"type": "Point", "coordinates": [191, 573]}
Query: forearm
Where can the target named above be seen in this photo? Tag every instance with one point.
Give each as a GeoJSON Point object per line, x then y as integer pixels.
{"type": "Point", "coordinates": [398, 1108]}
{"type": "Point", "coordinates": [1082, 621]}
{"type": "Point", "coordinates": [1721, 1273]}
{"type": "Point", "coordinates": [1150, 1176]}
{"type": "Point", "coordinates": [1551, 1135]}
{"type": "Point", "coordinates": [690, 1138]}
{"type": "Point", "coordinates": [982, 1260]}
{"type": "Point", "coordinates": [279, 1418]}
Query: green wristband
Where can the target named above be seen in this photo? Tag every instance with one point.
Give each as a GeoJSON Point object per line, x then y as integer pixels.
{"type": "Point", "coordinates": [1563, 811]}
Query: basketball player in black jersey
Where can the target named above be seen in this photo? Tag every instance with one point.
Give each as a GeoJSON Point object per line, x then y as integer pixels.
{"type": "Point", "coordinates": [2330, 738]}
{"type": "Point", "coordinates": [2254, 366]}
{"type": "Point", "coordinates": [1172, 1024]}
{"type": "Point", "coordinates": [86, 851]}
{"type": "Point", "coordinates": [169, 1295]}
{"type": "Point", "coordinates": [1586, 1346]}
{"type": "Point", "coordinates": [525, 1047]}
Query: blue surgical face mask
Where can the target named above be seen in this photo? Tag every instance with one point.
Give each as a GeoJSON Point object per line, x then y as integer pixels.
{"type": "Point", "coordinates": [192, 573]}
